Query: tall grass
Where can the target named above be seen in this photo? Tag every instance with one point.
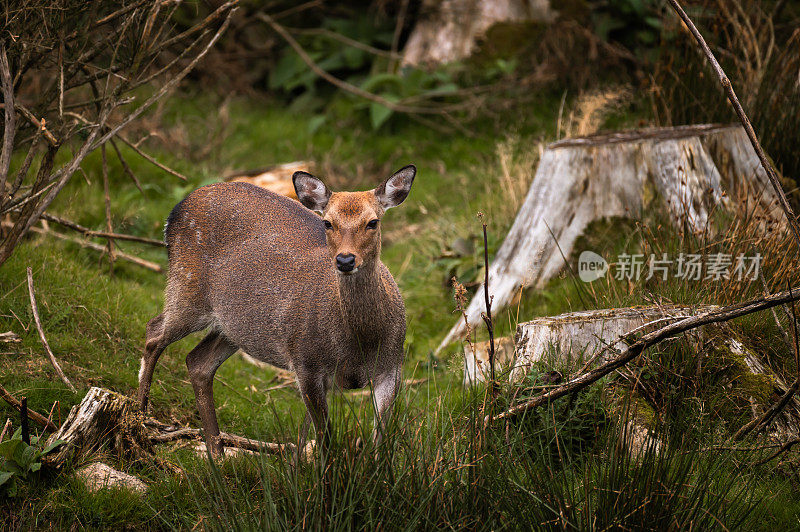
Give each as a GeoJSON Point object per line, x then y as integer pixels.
{"type": "Point", "coordinates": [440, 469]}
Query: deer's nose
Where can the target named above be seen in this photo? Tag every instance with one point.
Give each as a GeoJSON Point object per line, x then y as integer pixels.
{"type": "Point", "coordinates": [345, 263]}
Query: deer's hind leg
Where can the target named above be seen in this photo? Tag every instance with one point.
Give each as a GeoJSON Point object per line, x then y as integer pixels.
{"type": "Point", "coordinates": [203, 362]}
{"type": "Point", "coordinates": [165, 329]}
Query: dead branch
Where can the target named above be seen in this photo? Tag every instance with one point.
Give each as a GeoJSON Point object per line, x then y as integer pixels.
{"type": "Point", "coordinates": [38, 124]}
{"type": "Point", "coordinates": [62, 47]}
{"type": "Point", "coordinates": [785, 447]}
{"type": "Point", "coordinates": [647, 340]}
{"type": "Point", "coordinates": [165, 435]}
{"type": "Point", "coordinates": [101, 234]}
{"type": "Point", "coordinates": [17, 405]}
{"type": "Point", "coordinates": [42, 337]}
{"type": "Point", "coordinates": [151, 159]}
{"type": "Point", "coordinates": [726, 84]}
{"type": "Point", "coordinates": [6, 427]}
{"type": "Point", "coordinates": [764, 419]}
{"type": "Point", "coordinates": [152, 266]}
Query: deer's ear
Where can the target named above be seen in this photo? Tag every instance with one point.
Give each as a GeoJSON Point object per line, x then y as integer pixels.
{"type": "Point", "coordinates": [311, 191]}
{"type": "Point", "coordinates": [394, 190]}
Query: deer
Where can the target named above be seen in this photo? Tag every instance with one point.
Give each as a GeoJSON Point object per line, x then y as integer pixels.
{"type": "Point", "coordinates": [298, 285]}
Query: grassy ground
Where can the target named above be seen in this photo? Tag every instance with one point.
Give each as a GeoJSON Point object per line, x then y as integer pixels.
{"type": "Point", "coordinates": [548, 473]}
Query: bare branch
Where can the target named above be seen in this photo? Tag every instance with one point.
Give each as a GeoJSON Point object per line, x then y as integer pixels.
{"type": "Point", "coordinates": [349, 87]}
{"type": "Point", "coordinates": [42, 337]}
{"type": "Point", "coordinates": [100, 234]}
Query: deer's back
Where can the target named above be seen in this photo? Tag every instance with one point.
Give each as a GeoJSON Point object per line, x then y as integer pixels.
{"type": "Point", "coordinates": [257, 264]}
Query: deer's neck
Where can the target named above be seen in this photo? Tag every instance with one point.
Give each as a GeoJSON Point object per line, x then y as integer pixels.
{"type": "Point", "coordinates": [362, 300]}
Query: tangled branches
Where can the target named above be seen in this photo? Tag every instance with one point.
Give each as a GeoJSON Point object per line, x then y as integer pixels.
{"type": "Point", "coordinates": [70, 71]}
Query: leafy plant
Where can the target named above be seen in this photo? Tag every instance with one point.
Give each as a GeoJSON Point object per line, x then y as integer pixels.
{"type": "Point", "coordinates": [20, 461]}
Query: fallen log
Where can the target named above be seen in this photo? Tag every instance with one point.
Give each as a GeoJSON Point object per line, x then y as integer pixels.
{"type": "Point", "coordinates": [595, 335]}
{"type": "Point", "coordinates": [691, 170]}
{"type": "Point", "coordinates": [276, 178]}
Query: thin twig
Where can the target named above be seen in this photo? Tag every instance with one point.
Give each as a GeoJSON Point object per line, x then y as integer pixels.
{"type": "Point", "coordinates": [107, 198]}
{"type": "Point", "coordinates": [39, 124]}
{"type": "Point", "coordinates": [785, 447]}
{"type": "Point", "coordinates": [125, 167]}
{"type": "Point", "coordinates": [5, 430]}
{"type": "Point", "coordinates": [38, 323]}
{"type": "Point", "coordinates": [647, 340]}
{"type": "Point", "coordinates": [487, 316]}
{"type": "Point", "coordinates": [726, 84]}
{"type": "Point", "coordinates": [150, 159]}
{"type": "Point", "coordinates": [15, 403]}
{"type": "Point", "coordinates": [169, 85]}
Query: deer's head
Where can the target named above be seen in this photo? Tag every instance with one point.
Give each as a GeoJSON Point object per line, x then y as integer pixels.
{"type": "Point", "coordinates": [353, 219]}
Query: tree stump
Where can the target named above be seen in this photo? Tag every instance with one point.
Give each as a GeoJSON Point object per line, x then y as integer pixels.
{"type": "Point", "coordinates": [582, 336]}
{"type": "Point", "coordinates": [585, 334]}
{"type": "Point", "coordinates": [104, 419]}
{"type": "Point", "coordinates": [689, 170]}
{"type": "Point", "coordinates": [448, 29]}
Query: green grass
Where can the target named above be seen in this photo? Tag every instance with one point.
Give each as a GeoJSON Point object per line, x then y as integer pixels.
{"type": "Point", "coordinates": [558, 468]}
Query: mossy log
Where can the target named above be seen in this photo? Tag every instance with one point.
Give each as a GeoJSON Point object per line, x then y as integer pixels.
{"type": "Point", "coordinates": [688, 171]}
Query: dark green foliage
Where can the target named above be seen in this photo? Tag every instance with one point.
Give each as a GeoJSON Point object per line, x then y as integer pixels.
{"type": "Point", "coordinates": [20, 461]}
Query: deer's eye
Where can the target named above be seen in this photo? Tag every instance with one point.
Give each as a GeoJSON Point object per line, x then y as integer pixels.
{"type": "Point", "coordinates": [328, 225]}
{"type": "Point", "coordinates": [372, 224]}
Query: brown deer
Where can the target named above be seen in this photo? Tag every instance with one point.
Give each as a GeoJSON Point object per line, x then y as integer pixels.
{"type": "Point", "coordinates": [293, 289]}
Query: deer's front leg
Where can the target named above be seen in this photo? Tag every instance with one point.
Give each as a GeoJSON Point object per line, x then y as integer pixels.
{"type": "Point", "coordinates": [313, 389]}
{"type": "Point", "coordinates": [387, 385]}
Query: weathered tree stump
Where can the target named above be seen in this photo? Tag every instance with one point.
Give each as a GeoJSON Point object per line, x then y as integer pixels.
{"type": "Point", "coordinates": [448, 29]}
{"type": "Point", "coordinates": [104, 419]}
{"type": "Point", "coordinates": [689, 170]}
{"type": "Point", "coordinates": [586, 334]}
